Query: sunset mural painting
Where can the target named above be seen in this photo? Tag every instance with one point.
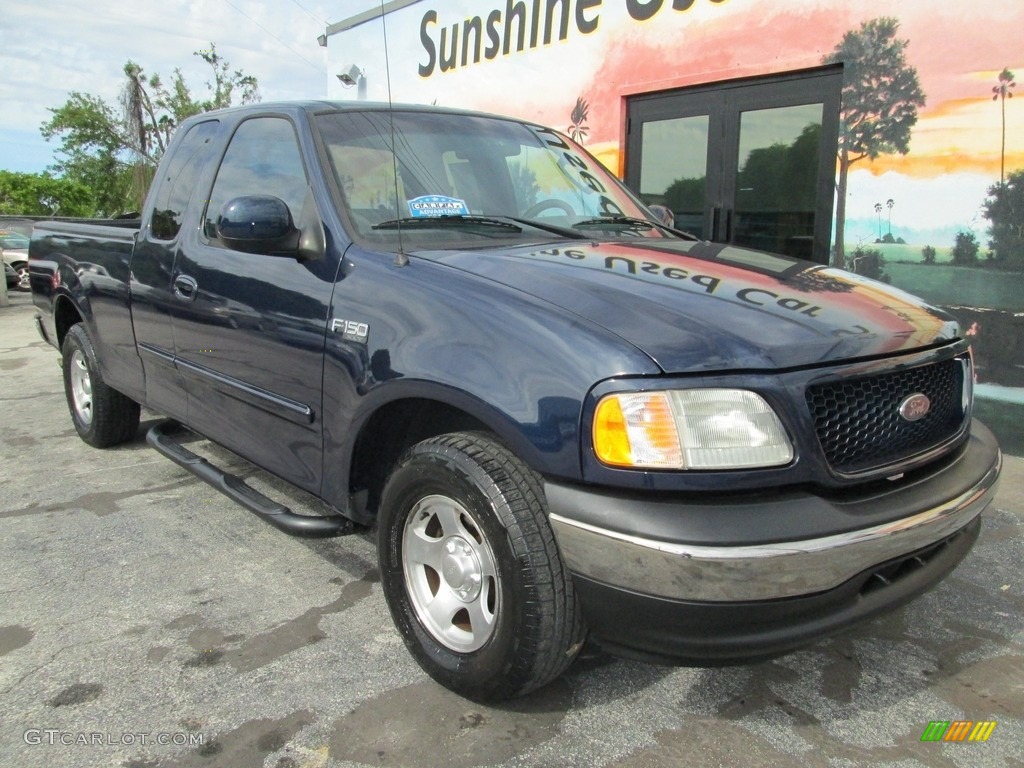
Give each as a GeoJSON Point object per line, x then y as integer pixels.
{"type": "Point", "coordinates": [941, 150]}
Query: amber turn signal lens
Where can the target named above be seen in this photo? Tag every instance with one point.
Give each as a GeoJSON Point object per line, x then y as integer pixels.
{"type": "Point", "coordinates": [637, 430]}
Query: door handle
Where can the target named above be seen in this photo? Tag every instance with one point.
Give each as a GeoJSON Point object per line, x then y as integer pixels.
{"type": "Point", "coordinates": [185, 288]}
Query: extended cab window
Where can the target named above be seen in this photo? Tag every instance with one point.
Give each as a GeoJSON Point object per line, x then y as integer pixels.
{"type": "Point", "coordinates": [178, 180]}
{"type": "Point", "coordinates": [262, 159]}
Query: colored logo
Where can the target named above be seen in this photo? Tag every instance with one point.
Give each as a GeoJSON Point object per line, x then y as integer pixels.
{"type": "Point", "coordinates": [958, 730]}
{"type": "Point", "coordinates": [915, 407]}
{"type": "Point", "coordinates": [429, 206]}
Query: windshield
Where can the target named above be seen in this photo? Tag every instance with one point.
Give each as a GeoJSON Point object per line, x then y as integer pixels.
{"type": "Point", "coordinates": [463, 180]}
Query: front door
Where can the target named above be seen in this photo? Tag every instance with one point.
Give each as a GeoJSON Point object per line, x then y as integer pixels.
{"type": "Point", "coordinates": [249, 329]}
{"type": "Point", "coordinates": [750, 163]}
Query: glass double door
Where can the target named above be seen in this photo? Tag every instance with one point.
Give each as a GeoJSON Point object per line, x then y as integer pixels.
{"type": "Point", "coordinates": [750, 163]}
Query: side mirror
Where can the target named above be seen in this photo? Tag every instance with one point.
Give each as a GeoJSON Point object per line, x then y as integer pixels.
{"type": "Point", "coordinates": [258, 224]}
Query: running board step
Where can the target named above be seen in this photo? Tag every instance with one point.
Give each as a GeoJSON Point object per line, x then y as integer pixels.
{"type": "Point", "coordinates": [236, 489]}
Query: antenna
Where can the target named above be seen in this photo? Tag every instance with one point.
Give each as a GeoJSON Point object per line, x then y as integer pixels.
{"type": "Point", "coordinates": [401, 259]}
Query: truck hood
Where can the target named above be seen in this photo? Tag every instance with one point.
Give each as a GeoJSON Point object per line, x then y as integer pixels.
{"type": "Point", "coordinates": [703, 307]}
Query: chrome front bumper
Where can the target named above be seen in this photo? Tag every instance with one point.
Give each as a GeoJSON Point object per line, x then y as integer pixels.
{"type": "Point", "coordinates": [683, 571]}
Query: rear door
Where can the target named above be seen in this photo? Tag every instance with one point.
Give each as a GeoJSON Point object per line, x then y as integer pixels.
{"type": "Point", "coordinates": [152, 265]}
{"type": "Point", "coordinates": [250, 328]}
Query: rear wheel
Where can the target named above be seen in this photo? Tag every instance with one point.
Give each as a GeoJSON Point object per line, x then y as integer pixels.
{"type": "Point", "coordinates": [102, 416]}
{"type": "Point", "coordinates": [471, 572]}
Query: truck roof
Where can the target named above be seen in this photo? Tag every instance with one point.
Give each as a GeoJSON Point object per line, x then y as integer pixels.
{"type": "Point", "coordinates": [325, 106]}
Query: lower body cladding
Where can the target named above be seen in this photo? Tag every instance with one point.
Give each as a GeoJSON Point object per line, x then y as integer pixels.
{"type": "Point", "coordinates": [654, 583]}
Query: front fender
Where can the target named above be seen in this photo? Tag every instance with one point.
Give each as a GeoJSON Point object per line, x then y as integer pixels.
{"type": "Point", "coordinates": [514, 364]}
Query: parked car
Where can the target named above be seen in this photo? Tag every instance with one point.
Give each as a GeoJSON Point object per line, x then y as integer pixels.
{"type": "Point", "coordinates": [12, 277]}
{"type": "Point", "coordinates": [14, 247]}
{"type": "Point", "coordinates": [11, 240]}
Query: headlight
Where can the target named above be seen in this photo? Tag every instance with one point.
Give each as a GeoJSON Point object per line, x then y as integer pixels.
{"type": "Point", "coordinates": [689, 429]}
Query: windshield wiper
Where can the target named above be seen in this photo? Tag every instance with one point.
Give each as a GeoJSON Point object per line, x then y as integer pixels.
{"type": "Point", "coordinates": [614, 222]}
{"type": "Point", "coordinates": [633, 223]}
{"type": "Point", "coordinates": [456, 222]}
{"type": "Point", "coordinates": [555, 229]}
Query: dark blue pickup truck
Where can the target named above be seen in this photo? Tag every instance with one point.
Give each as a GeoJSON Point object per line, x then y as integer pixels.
{"type": "Point", "coordinates": [565, 419]}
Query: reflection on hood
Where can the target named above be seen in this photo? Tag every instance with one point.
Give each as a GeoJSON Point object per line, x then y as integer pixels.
{"type": "Point", "coordinates": [705, 307]}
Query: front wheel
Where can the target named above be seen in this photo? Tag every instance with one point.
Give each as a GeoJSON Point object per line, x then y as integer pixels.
{"type": "Point", "coordinates": [102, 416]}
{"type": "Point", "coordinates": [471, 572]}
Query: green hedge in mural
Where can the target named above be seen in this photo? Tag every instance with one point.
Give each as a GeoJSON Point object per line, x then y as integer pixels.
{"type": "Point", "coordinates": [945, 285]}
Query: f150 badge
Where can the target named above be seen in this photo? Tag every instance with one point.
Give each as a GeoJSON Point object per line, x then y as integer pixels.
{"type": "Point", "coordinates": [351, 330]}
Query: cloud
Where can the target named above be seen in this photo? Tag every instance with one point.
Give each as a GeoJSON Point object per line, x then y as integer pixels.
{"type": "Point", "coordinates": [960, 135]}
{"type": "Point", "coordinates": [61, 46]}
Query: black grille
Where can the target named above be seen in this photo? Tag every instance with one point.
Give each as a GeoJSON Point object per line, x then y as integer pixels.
{"type": "Point", "coordinates": [858, 422]}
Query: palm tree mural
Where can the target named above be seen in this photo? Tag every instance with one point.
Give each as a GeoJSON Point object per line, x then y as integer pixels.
{"type": "Point", "coordinates": [878, 210]}
{"type": "Point", "coordinates": [577, 128]}
{"type": "Point", "coordinates": [889, 204]}
{"type": "Point", "coordinates": [1003, 91]}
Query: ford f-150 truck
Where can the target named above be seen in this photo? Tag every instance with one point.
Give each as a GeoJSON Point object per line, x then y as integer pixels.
{"type": "Point", "coordinates": [565, 419]}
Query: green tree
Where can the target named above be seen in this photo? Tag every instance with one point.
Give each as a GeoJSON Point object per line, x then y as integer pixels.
{"type": "Point", "coordinates": [965, 249]}
{"type": "Point", "coordinates": [1004, 208]}
{"type": "Point", "coordinates": [39, 194]}
{"type": "Point", "coordinates": [881, 94]}
{"type": "Point", "coordinates": [782, 177]}
{"type": "Point", "coordinates": [686, 195]}
{"type": "Point", "coordinates": [871, 263]}
{"type": "Point", "coordinates": [222, 89]}
{"type": "Point", "coordinates": [91, 151]}
{"type": "Point", "coordinates": [115, 150]}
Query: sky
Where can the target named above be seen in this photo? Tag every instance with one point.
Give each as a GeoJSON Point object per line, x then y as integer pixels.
{"type": "Point", "coordinates": [61, 46]}
{"type": "Point", "coordinates": [938, 188]}
{"type": "Point", "coordinates": [56, 47]}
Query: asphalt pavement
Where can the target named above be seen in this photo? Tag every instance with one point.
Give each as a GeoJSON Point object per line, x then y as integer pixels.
{"type": "Point", "coordinates": [147, 622]}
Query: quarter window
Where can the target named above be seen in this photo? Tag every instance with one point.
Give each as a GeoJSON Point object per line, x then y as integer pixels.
{"type": "Point", "coordinates": [178, 180]}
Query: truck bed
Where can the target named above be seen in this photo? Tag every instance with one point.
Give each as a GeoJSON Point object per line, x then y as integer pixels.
{"type": "Point", "coordinates": [89, 260]}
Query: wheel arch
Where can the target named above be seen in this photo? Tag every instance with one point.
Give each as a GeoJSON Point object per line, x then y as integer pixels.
{"type": "Point", "coordinates": [65, 315]}
{"type": "Point", "coordinates": [391, 427]}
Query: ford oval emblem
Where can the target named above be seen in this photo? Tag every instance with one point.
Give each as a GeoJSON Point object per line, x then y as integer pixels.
{"type": "Point", "coordinates": [915, 407]}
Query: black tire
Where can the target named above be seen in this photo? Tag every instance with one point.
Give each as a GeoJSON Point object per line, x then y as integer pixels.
{"type": "Point", "coordinates": [102, 416]}
{"type": "Point", "coordinates": [465, 502]}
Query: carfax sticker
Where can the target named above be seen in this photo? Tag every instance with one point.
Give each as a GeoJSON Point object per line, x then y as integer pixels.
{"type": "Point", "coordinates": [428, 206]}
